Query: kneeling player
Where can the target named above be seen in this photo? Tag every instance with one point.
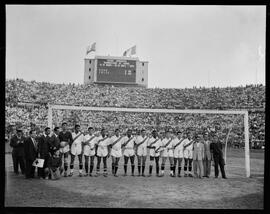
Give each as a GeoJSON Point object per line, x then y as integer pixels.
{"type": "Point", "coordinates": [128, 145]}
{"type": "Point", "coordinates": [154, 143]}
{"type": "Point", "coordinates": [76, 149]}
{"type": "Point", "coordinates": [116, 151]}
{"type": "Point", "coordinates": [89, 150]}
{"type": "Point", "coordinates": [188, 155]}
{"type": "Point", "coordinates": [141, 151]}
{"type": "Point", "coordinates": [55, 165]}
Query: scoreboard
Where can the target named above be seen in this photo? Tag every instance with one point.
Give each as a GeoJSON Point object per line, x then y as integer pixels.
{"type": "Point", "coordinates": [116, 70]}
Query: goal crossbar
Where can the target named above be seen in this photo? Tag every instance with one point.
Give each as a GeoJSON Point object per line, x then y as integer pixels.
{"type": "Point", "coordinates": [179, 111]}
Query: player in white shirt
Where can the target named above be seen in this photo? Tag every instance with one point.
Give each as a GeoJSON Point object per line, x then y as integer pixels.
{"type": "Point", "coordinates": [116, 150]}
{"type": "Point", "coordinates": [178, 151]}
{"type": "Point", "coordinates": [167, 152]}
{"type": "Point", "coordinates": [128, 143]}
{"type": "Point", "coordinates": [152, 144]}
{"type": "Point", "coordinates": [76, 149]}
{"type": "Point", "coordinates": [89, 150]}
{"type": "Point", "coordinates": [141, 151]}
{"type": "Point", "coordinates": [102, 143]}
{"type": "Point", "coordinates": [188, 155]}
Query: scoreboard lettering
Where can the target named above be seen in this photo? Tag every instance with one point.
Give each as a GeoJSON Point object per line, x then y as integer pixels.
{"type": "Point", "coordinates": [115, 70]}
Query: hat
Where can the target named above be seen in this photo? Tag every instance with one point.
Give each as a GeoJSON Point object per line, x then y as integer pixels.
{"type": "Point", "coordinates": [19, 129]}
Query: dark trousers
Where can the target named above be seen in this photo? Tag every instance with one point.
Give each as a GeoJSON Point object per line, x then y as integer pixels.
{"type": "Point", "coordinates": [41, 171]}
{"type": "Point", "coordinates": [219, 161]}
{"type": "Point", "coordinates": [29, 169]}
{"type": "Point", "coordinates": [18, 160]}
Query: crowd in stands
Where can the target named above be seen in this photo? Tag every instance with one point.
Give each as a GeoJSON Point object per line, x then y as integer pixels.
{"type": "Point", "coordinates": [27, 102]}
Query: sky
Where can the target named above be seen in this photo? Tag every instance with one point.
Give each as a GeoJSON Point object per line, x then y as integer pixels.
{"type": "Point", "coordinates": [185, 46]}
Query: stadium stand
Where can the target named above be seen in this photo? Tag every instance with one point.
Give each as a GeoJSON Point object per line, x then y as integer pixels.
{"type": "Point", "coordinates": [26, 102]}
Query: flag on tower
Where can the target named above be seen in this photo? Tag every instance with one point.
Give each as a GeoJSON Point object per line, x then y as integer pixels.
{"type": "Point", "coordinates": [130, 51]}
{"type": "Point", "coordinates": [91, 48]}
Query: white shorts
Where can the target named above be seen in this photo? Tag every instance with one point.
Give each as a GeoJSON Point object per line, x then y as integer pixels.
{"type": "Point", "coordinates": [153, 153]}
{"type": "Point", "coordinates": [170, 153]}
{"type": "Point", "coordinates": [102, 152]}
{"type": "Point", "coordinates": [142, 151]}
{"type": "Point", "coordinates": [128, 152]}
{"type": "Point", "coordinates": [116, 153]}
{"type": "Point", "coordinates": [88, 152]}
{"type": "Point", "coordinates": [188, 154]}
{"type": "Point", "coordinates": [164, 153]}
{"type": "Point", "coordinates": [64, 149]}
{"type": "Point", "coordinates": [178, 153]}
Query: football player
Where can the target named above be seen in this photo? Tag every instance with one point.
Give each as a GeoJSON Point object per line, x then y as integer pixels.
{"type": "Point", "coordinates": [89, 150]}
{"type": "Point", "coordinates": [76, 149]}
{"type": "Point", "coordinates": [141, 151]}
{"type": "Point", "coordinates": [128, 151]}
{"type": "Point", "coordinates": [178, 151]}
{"type": "Point", "coordinates": [188, 154]}
{"type": "Point", "coordinates": [152, 144]}
{"type": "Point", "coordinates": [102, 144]}
{"type": "Point", "coordinates": [116, 151]}
{"type": "Point", "coordinates": [65, 138]}
{"type": "Point", "coordinates": [167, 151]}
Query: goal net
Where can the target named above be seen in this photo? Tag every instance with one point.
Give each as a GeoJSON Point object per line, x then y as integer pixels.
{"type": "Point", "coordinates": [231, 126]}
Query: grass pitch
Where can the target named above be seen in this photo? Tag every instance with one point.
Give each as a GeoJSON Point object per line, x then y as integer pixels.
{"type": "Point", "coordinates": [237, 192]}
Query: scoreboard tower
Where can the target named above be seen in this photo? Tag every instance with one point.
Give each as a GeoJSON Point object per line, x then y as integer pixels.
{"type": "Point", "coordinates": [118, 71]}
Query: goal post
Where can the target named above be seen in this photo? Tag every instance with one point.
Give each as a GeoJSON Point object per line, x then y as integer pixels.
{"type": "Point", "coordinates": [179, 111]}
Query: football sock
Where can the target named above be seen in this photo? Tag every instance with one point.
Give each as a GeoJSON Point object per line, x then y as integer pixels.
{"type": "Point", "coordinates": [139, 169]}
{"type": "Point", "coordinates": [91, 168]}
{"type": "Point", "coordinates": [132, 169]}
{"type": "Point", "coordinates": [86, 168]}
{"type": "Point", "coordinates": [150, 169]}
{"type": "Point", "coordinates": [113, 168]}
{"type": "Point", "coordinates": [143, 168]}
{"type": "Point", "coordinates": [179, 170]}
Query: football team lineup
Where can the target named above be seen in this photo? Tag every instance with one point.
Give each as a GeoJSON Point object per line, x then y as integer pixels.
{"type": "Point", "coordinates": [193, 149]}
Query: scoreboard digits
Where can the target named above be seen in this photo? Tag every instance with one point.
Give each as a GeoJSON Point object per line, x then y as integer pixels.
{"type": "Point", "coordinates": [114, 70]}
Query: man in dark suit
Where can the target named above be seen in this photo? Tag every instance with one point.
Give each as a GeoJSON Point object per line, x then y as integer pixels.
{"type": "Point", "coordinates": [30, 154]}
{"type": "Point", "coordinates": [216, 151]}
{"type": "Point", "coordinates": [17, 143]}
{"type": "Point", "coordinates": [43, 151]}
